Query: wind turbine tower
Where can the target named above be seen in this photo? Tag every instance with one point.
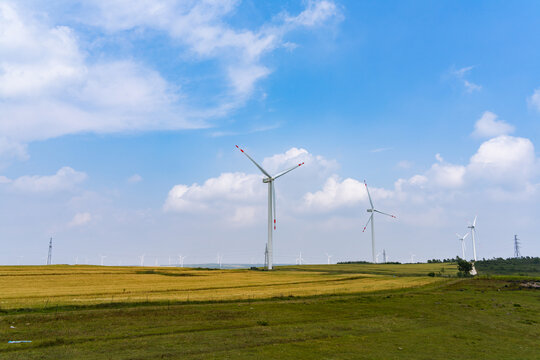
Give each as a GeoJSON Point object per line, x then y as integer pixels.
{"type": "Point", "coordinates": [329, 257]}
{"type": "Point", "coordinates": [517, 253]}
{"type": "Point", "coordinates": [49, 257]}
{"type": "Point", "coordinates": [299, 259]}
{"type": "Point", "coordinates": [384, 256]}
{"type": "Point", "coordinates": [271, 204]}
{"type": "Point", "coordinates": [473, 234]}
{"type": "Point", "coordinates": [462, 239]}
{"type": "Point", "coordinates": [372, 210]}
{"type": "Point", "coordinates": [181, 260]}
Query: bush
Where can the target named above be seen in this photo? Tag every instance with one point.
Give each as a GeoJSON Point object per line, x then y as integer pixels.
{"type": "Point", "coordinates": [464, 267]}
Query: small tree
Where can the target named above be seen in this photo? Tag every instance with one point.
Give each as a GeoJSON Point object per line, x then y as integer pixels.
{"type": "Point", "coordinates": [464, 267]}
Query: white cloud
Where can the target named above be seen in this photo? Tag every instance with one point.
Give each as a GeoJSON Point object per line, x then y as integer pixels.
{"type": "Point", "coordinates": [135, 178]}
{"type": "Point", "coordinates": [534, 100]}
{"type": "Point", "coordinates": [447, 175]}
{"type": "Point", "coordinates": [53, 84]}
{"type": "Point", "coordinates": [65, 179]}
{"type": "Point", "coordinates": [460, 75]}
{"type": "Point", "coordinates": [215, 192]}
{"type": "Point", "coordinates": [49, 88]}
{"type": "Point", "coordinates": [80, 219]}
{"type": "Point", "coordinates": [504, 159]}
{"type": "Point", "coordinates": [335, 194]}
{"type": "Point", "coordinates": [489, 126]}
{"type": "Point", "coordinates": [201, 27]}
{"type": "Point", "coordinates": [317, 12]}
{"type": "Point", "coordinates": [405, 164]}
{"type": "Point", "coordinates": [313, 164]}
{"type": "Point", "coordinates": [10, 149]}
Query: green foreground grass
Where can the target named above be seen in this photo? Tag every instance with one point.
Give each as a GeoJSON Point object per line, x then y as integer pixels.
{"type": "Point", "coordinates": [470, 318]}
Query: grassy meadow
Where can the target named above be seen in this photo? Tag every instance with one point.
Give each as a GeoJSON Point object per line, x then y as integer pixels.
{"type": "Point", "coordinates": [350, 311]}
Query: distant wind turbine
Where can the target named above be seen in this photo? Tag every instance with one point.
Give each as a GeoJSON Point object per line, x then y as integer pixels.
{"type": "Point", "coordinates": [102, 258]}
{"type": "Point", "coordinates": [412, 258]}
{"type": "Point", "coordinates": [372, 210]}
{"type": "Point", "coordinates": [181, 260]}
{"type": "Point", "coordinates": [141, 258]}
{"type": "Point", "coordinates": [299, 259]}
{"type": "Point", "coordinates": [462, 239]}
{"type": "Point", "coordinates": [473, 235]}
{"type": "Point", "coordinates": [329, 256]}
{"type": "Point", "coordinates": [219, 259]}
{"type": "Point", "coordinates": [271, 204]}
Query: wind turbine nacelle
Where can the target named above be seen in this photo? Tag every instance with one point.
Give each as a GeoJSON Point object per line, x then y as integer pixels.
{"type": "Point", "coordinates": [369, 210]}
{"type": "Point", "coordinates": [266, 180]}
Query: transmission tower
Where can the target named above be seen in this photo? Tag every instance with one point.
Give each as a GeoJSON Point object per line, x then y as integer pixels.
{"type": "Point", "coordinates": [517, 254]}
{"type": "Point", "coordinates": [49, 257]}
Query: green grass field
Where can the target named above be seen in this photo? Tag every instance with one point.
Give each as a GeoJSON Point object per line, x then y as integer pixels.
{"type": "Point", "coordinates": [295, 312]}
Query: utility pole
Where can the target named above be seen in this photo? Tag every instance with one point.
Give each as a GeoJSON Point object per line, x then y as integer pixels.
{"type": "Point", "coordinates": [49, 257]}
{"type": "Point", "coordinates": [517, 254]}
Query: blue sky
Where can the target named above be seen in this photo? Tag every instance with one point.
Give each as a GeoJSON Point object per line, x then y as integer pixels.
{"type": "Point", "coordinates": [118, 121]}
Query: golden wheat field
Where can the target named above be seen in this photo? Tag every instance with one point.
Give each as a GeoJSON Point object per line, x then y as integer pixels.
{"type": "Point", "coordinates": [35, 286]}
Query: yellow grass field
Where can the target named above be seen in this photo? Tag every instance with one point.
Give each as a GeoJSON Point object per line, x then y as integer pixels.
{"type": "Point", "coordinates": [36, 286]}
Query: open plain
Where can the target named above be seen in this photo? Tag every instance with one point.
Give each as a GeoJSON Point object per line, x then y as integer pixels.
{"type": "Point", "coordinates": [352, 311]}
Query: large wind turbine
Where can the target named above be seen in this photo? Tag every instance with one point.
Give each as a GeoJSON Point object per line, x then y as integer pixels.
{"type": "Point", "coordinates": [372, 210]}
{"type": "Point", "coordinates": [462, 239]}
{"type": "Point", "coordinates": [473, 234]}
{"type": "Point", "coordinates": [271, 204]}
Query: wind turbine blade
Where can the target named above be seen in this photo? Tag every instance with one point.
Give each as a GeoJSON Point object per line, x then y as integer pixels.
{"type": "Point", "coordinates": [458, 236]}
{"type": "Point", "coordinates": [369, 196]}
{"type": "Point", "coordinates": [368, 222]}
{"type": "Point", "coordinates": [474, 222]}
{"type": "Point", "coordinates": [380, 212]}
{"type": "Point", "coordinates": [467, 234]}
{"type": "Point", "coordinates": [274, 203]}
{"type": "Point", "coordinates": [253, 161]}
{"type": "Point", "coordinates": [288, 170]}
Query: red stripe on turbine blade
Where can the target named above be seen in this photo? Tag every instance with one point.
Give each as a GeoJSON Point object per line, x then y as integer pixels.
{"type": "Point", "coordinates": [237, 146]}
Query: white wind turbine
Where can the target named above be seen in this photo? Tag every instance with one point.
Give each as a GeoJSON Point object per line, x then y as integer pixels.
{"type": "Point", "coordinates": [372, 210]}
{"type": "Point", "coordinates": [102, 258]}
{"type": "Point", "coordinates": [329, 257]}
{"type": "Point", "coordinates": [271, 205]}
{"type": "Point", "coordinates": [462, 239]}
{"type": "Point", "coordinates": [299, 259]}
{"type": "Point", "coordinates": [473, 235]}
{"type": "Point", "coordinates": [142, 259]}
{"type": "Point", "coordinates": [181, 260]}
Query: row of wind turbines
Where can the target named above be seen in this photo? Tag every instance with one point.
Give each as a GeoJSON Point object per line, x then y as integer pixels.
{"type": "Point", "coordinates": [269, 179]}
